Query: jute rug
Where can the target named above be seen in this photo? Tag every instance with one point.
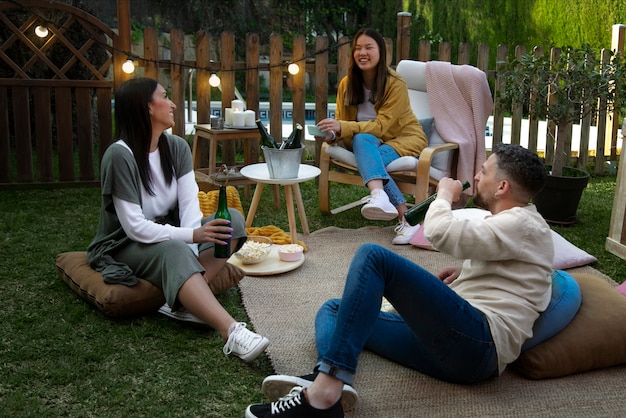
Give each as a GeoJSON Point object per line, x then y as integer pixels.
{"type": "Point", "coordinates": [283, 308]}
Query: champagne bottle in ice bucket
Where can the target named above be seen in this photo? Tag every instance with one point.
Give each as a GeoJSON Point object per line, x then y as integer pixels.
{"type": "Point", "coordinates": [296, 141]}
{"type": "Point", "coordinates": [267, 139]}
{"type": "Point", "coordinates": [417, 213]}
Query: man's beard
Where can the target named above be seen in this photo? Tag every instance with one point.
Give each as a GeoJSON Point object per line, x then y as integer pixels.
{"type": "Point", "coordinates": [480, 201]}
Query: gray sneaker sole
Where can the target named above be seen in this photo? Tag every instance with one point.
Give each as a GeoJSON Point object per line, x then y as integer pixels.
{"type": "Point", "coordinates": [402, 241]}
{"type": "Point", "coordinates": [374, 213]}
{"type": "Point", "coordinates": [180, 315]}
{"type": "Point", "coordinates": [279, 385]}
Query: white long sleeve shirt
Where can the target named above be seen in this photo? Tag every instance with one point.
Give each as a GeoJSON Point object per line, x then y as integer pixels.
{"type": "Point", "coordinates": [138, 220]}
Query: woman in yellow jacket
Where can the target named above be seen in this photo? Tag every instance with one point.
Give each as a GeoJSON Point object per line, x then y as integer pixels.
{"type": "Point", "coordinates": [374, 119]}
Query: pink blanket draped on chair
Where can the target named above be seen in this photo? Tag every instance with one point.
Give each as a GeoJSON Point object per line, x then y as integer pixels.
{"type": "Point", "coordinates": [460, 101]}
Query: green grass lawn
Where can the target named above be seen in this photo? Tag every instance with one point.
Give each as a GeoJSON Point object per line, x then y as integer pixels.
{"type": "Point", "coordinates": [60, 356]}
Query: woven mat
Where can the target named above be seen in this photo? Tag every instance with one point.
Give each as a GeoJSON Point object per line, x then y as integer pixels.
{"type": "Point", "coordinates": [283, 308]}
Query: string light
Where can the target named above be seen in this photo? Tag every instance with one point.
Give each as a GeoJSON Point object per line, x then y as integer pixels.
{"type": "Point", "coordinates": [41, 31]}
{"type": "Point", "coordinates": [214, 80]}
{"type": "Point", "coordinates": [129, 66]}
{"type": "Point", "coordinates": [293, 68]}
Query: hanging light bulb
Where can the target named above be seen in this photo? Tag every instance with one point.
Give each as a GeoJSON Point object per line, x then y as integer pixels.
{"type": "Point", "coordinates": [128, 67]}
{"type": "Point", "coordinates": [41, 31]}
{"type": "Point", "coordinates": [214, 80]}
{"type": "Point", "coordinates": [293, 68]}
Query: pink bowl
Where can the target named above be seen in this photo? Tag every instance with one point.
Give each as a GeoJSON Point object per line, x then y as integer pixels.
{"type": "Point", "coordinates": [290, 252]}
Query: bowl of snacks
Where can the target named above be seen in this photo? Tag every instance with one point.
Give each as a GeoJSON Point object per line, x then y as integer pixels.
{"type": "Point", "coordinates": [254, 250]}
{"type": "Point", "coordinates": [290, 252]}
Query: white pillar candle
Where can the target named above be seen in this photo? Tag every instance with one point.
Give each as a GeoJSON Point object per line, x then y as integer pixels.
{"type": "Point", "coordinates": [249, 117]}
{"type": "Point", "coordinates": [238, 119]}
{"type": "Point", "coordinates": [237, 105]}
{"type": "Point", "coordinates": [228, 116]}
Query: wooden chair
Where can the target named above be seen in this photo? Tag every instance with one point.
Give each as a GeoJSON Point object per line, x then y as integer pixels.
{"type": "Point", "coordinates": [414, 176]}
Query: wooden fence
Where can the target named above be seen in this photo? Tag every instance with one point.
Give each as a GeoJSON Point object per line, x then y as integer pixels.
{"type": "Point", "coordinates": [15, 139]}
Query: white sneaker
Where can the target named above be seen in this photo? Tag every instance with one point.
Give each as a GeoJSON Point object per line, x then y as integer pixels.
{"type": "Point", "coordinates": [379, 208]}
{"type": "Point", "coordinates": [181, 315]}
{"type": "Point", "coordinates": [404, 233]}
{"type": "Point", "coordinates": [243, 343]}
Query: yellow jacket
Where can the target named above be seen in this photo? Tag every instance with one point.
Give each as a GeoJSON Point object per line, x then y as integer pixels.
{"type": "Point", "coordinates": [395, 123]}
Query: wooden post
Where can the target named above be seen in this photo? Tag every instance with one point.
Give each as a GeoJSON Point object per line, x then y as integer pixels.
{"type": "Point", "coordinates": [616, 241]}
{"type": "Point", "coordinates": [119, 57]}
{"type": "Point", "coordinates": [228, 69]}
{"type": "Point", "coordinates": [423, 50]}
{"type": "Point", "coordinates": [343, 57]}
{"type": "Point", "coordinates": [321, 87]}
{"type": "Point", "coordinates": [533, 122]}
{"type": "Point", "coordinates": [276, 86]}
{"type": "Point", "coordinates": [445, 52]}
{"type": "Point", "coordinates": [203, 88]}
{"type": "Point", "coordinates": [612, 121]}
{"type": "Point", "coordinates": [601, 141]}
{"type": "Point", "coordinates": [228, 88]}
{"type": "Point", "coordinates": [498, 113]}
{"type": "Point", "coordinates": [253, 88]}
{"type": "Point", "coordinates": [465, 51]}
{"type": "Point", "coordinates": [177, 41]}
{"type": "Point", "coordinates": [516, 120]}
{"type": "Point", "coordinates": [299, 94]}
{"type": "Point", "coordinates": [151, 53]}
{"type": "Point", "coordinates": [403, 34]}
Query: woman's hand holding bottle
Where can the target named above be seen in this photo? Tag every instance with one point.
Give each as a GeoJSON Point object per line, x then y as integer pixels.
{"type": "Point", "coordinates": [216, 230]}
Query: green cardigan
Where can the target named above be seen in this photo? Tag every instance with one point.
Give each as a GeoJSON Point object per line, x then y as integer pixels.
{"type": "Point", "coordinates": [119, 176]}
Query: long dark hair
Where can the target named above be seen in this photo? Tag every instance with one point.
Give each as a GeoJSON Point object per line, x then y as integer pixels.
{"type": "Point", "coordinates": [134, 127]}
{"type": "Point", "coordinates": [354, 93]}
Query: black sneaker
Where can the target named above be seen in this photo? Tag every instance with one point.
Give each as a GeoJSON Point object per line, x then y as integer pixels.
{"type": "Point", "coordinates": [276, 386]}
{"type": "Point", "coordinates": [293, 405]}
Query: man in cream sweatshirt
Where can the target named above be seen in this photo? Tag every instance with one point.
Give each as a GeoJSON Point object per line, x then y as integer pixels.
{"type": "Point", "coordinates": [461, 325]}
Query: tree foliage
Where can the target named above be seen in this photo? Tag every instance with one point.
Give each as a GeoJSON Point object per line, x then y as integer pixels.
{"type": "Point", "coordinates": [564, 88]}
{"type": "Point", "coordinates": [530, 23]}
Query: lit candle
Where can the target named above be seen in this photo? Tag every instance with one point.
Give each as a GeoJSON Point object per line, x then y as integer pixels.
{"type": "Point", "coordinates": [238, 119]}
{"type": "Point", "coordinates": [249, 117]}
{"type": "Point", "coordinates": [237, 105]}
{"type": "Point", "coordinates": [228, 116]}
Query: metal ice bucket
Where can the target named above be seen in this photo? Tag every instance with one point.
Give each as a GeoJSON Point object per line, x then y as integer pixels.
{"type": "Point", "coordinates": [283, 164]}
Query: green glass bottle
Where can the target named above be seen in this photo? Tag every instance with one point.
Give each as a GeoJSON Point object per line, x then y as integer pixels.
{"type": "Point", "coordinates": [296, 142]}
{"type": "Point", "coordinates": [417, 213]}
{"type": "Point", "coordinates": [267, 139]}
{"type": "Point", "coordinates": [222, 251]}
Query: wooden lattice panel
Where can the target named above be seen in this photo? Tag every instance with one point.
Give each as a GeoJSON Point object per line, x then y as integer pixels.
{"type": "Point", "coordinates": [75, 41]}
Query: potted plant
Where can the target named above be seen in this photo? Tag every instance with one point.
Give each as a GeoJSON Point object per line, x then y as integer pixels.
{"type": "Point", "coordinates": [563, 90]}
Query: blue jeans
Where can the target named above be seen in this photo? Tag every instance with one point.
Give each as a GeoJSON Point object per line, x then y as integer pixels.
{"type": "Point", "coordinates": [372, 156]}
{"type": "Point", "coordinates": [436, 332]}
